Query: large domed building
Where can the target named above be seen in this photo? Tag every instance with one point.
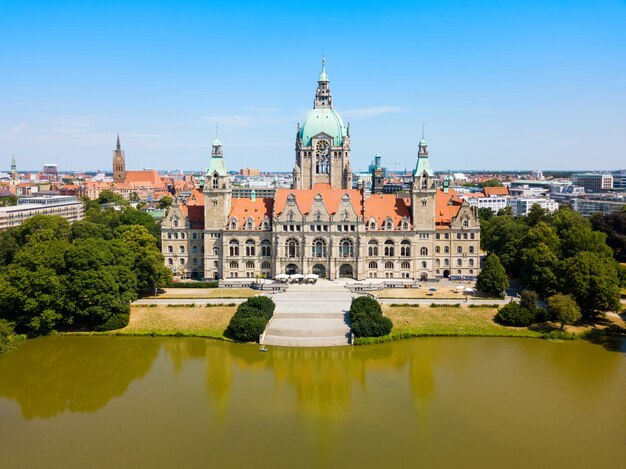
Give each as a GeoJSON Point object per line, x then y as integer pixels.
{"type": "Point", "coordinates": [322, 225]}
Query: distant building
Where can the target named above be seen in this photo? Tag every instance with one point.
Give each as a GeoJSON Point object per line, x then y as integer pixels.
{"type": "Point", "coordinates": [494, 198]}
{"type": "Point", "coordinates": [593, 182]}
{"type": "Point", "coordinates": [249, 172]}
{"type": "Point", "coordinates": [69, 208]}
{"type": "Point", "coordinates": [619, 180]}
{"type": "Point", "coordinates": [589, 204]}
{"type": "Point", "coordinates": [521, 206]}
{"type": "Point", "coordinates": [378, 175]}
{"type": "Point", "coordinates": [51, 172]}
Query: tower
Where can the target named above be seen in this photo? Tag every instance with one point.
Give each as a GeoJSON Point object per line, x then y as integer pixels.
{"type": "Point", "coordinates": [13, 170]}
{"type": "Point", "coordinates": [378, 175]}
{"type": "Point", "coordinates": [217, 205]}
{"type": "Point", "coordinates": [423, 190]}
{"type": "Point", "coordinates": [322, 143]}
{"type": "Point", "coordinates": [119, 163]}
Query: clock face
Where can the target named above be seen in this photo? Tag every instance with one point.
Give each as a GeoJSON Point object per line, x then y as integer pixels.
{"type": "Point", "coordinates": [322, 147]}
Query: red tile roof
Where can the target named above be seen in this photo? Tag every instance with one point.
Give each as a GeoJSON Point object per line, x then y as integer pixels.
{"type": "Point", "coordinates": [381, 206]}
{"type": "Point", "coordinates": [489, 191]}
{"type": "Point", "coordinates": [246, 208]}
{"type": "Point", "coordinates": [447, 206]}
{"type": "Point", "coordinates": [331, 197]}
{"type": "Point", "coordinates": [150, 176]}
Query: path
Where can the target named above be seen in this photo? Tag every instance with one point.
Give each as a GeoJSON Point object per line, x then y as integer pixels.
{"type": "Point", "coordinates": [310, 316]}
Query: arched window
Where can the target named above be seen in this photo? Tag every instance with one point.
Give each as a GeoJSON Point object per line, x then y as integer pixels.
{"type": "Point", "coordinates": [465, 223]}
{"type": "Point", "coordinates": [216, 251]}
{"type": "Point", "coordinates": [471, 262]}
{"type": "Point", "coordinates": [373, 265]}
{"type": "Point", "coordinates": [233, 223]}
{"type": "Point", "coordinates": [471, 235]}
{"type": "Point", "coordinates": [265, 265]}
{"type": "Point", "coordinates": [389, 248]}
{"type": "Point", "coordinates": [464, 235]}
{"type": "Point", "coordinates": [182, 261]}
{"type": "Point", "coordinates": [249, 265]}
{"type": "Point", "coordinates": [423, 251]}
{"type": "Point", "coordinates": [319, 248]}
{"type": "Point", "coordinates": [345, 215]}
{"type": "Point", "coordinates": [317, 216]}
{"type": "Point", "coordinates": [170, 249]}
{"type": "Point", "coordinates": [181, 249]}
{"type": "Point", "coordinates": [405, 224]}
{"type": "Point", "coordinates": [372, 248]}
{"type": "Point", "coordinates": [405, 248]}
{"type": "Point", "coordinates": [437, 249]}
{"type": "Point", "coordinates": [292, 248]}
{"type": "Point", "coordinates": [471, 249]}
{"type": "Point", "coordinates": [169, 236]}
{"type": "Point", "coordinates": [446, 249]}
{"type": "Point", "coordinates": [266, 248]}
{"type": "Point", "coordinates": [233, 247]}
{"type": "Point", "coordinates": [437, 262]}
{"type": "Point", "coordinates": [346, 248]}
{"type": "Point", "coordinates": [171, 261]}
{"type": "Point", "coordinates": [405, 265]}
{"type": "Point", "coordinates": [175, 223]}
{"type": "Point", "coordinates": [446, 236]}
{"type": "Point", "coordinates": [389, 265]}
{"type": "Point", "coordinates": [194, 249]}
{"type": "Point", "coordinates": [446, 262]}
{"type": "Point", "coordinates": [182, 236]}
{"type": "Point", "coordinates": [249, 224]}
{"type": "Point", "coordinates": [194, 236]}
{"type": "Point", "coordinates": [372, 224]}
{"type": "Point", "coordinates": [175, 235]}
{"type": "Point", "coordinates": [250, 248]}
{"type": "Point", "coordinates": [234, 264]}
{"type": "Point", "coordinates": [458, 236]}
{"type": "Point", "coordinates": [388, 224]}
{"type": "Point", "coordinates": [459, 249]}
{"type": "Point", "coordinates": [290, 216]}
{"type": "Point", "coordinates": [437, 236]}
{"type": "Point", "coordinates": [266, 224]}
{"type": "Point", "coordinates": [459, 262]}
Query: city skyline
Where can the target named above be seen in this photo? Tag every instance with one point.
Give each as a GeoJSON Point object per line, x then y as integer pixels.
{"type": "Point", "coordinates": [499, 86]}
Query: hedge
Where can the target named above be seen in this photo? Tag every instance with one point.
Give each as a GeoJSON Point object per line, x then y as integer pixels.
{"type": "Point", "coordinates": [366, 318]}
{"type": "Point", "coordinates": [211, 284]}
{"type": "Point", "coordinates": [250, 319]}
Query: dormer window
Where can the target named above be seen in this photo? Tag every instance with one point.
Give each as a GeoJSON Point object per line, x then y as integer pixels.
{"type": "Point", "coordinates": [317, 216]}
{"type": "Point", "coordinates": [249, 224]}
{"type": "Point", "coordinates": [345, 215]}
{"type": "Point", "coordinates": [388, 224]}
{"type": "Point", "coordinates": [405, 224]}
{"type": "Point", "coordinates": [290, 216]}
{"type": "Point", "coordinates": [233, 223]}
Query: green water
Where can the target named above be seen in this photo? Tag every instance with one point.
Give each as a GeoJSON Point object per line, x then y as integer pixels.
{"type": "Point", "coordinates": [433, 402]}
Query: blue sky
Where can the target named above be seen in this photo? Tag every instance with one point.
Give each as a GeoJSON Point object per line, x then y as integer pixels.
{"type": "Point", "coordinates": [500, 84]}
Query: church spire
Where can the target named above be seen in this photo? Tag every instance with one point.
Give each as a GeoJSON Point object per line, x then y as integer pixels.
{"type": "Point", "coordinates": [119, 146]}
{"type": "Point", "coordinates": [323, 98]}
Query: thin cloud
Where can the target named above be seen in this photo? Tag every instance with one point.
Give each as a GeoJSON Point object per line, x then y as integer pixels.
{"type": "Point", "coordinates": [371, 111]}
{"type": "Point", "coordinates": [13, 131]}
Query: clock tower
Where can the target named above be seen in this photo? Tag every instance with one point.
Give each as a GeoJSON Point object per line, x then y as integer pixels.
{"type": "Point", "coordinates": [322, 143]}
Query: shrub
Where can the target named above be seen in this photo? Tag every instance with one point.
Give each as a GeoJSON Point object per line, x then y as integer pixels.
{"type": "Point", "coordinates": [250, 319]}
{"type": "Point", "coordinates": [404, 305]}
{"type": "Point", "coordinates": [367, 319]}
{"type": "Point", "coordinates": [542, 315]}
{"type": "Point", "coordinates": [115, 321]}
{"type": "Point", "coordinates": [443, 305]}
{"type": "Point", "coordinates": [515, 315]}
{"type": "Point", "coordinates": [8, 338]}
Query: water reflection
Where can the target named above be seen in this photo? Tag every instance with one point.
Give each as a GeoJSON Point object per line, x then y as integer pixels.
{"type": "Point", "coordinates": [77, 374]}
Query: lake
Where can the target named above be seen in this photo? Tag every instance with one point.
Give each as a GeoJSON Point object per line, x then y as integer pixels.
{"type": "Point", "coordinates": [428, 402]}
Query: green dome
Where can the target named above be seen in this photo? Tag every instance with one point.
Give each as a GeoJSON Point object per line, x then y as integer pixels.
{"type": "Point", "coordinates": [423, 143]}
{"type": "Point", "coordinates": [323, 120]}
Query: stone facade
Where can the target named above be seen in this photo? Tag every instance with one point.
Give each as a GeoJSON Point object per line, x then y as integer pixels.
{"type": "Point", "coordinates": [322, 225]}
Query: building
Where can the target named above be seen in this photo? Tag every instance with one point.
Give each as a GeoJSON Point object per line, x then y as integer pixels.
{"type": "Point", "coordinates": [522, 205]}
{"type": "Point", "coordinates": [593, 182]}
{"type": "Point", "coordinates": [589, 204]}
{"type": "Point", "coordinates": [50, 172]}
{"type": "Point", "coordinates": [249, 172]}
{"type": "Point", "coordinates": [619, 180]}
{"type": "Point", "coordinates": [69, 208]}
{"type": "Point", "coordinates": [322, 225]}
{"type": "Point", "coordinates": [493, 198]}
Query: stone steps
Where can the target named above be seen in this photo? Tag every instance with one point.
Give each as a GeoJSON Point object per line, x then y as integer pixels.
{"type": "Point", "coordinates": [309, 315]}
{"type": "Point", "coordinates": [287, 341]}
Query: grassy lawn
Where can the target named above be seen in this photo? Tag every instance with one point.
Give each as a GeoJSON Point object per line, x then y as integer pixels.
{"type": "Point", "coordinates": [198, 321]}
{"type": "Point", "coordinates": [403, 293]}
{"type": "Point", "coordinates": [411, 321]}
{"type": "Point", "coordinates": [203, 293]}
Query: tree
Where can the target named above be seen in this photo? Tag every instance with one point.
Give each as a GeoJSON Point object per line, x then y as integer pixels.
{"type": "Point", "coordinates": [107, 197]}
{"type": "Point", "coordinates": [536, 214]}
{"type": "Point", "coordinates": [503, 235]}
{"type": "Point", "coordinates": [514, 314]}
{"type": "Point", "coordinates": [43, 227]}
{"type": "Point", "coordinates": [366, 318]}
{"type": "Point", "coordinates": [165, 202]}
{"type": "Point", "coordinates": [540, 269]}
{"type": "Point", "coordinates": [564, 309]}
{"type": "Point", "coordinates": [593, 281]}
{"type": "Point", "coordinates": [485, 214]}
{"type": "Point", "coordinates": [614, 225]}
{"type": "Point", "coordinates": [528, 300]}
{"type": "Point", "coordinates": [492, 278]}
{"type": "Point", "coordinates": [8, 201]}
{"type": "Point", "coordinates": [490, 183]}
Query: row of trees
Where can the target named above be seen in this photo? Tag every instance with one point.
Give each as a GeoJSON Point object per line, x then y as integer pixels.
{"type": "Point", "coordinates": [561, 309]}
{"type": "Point", "coordinates": [83, 275]}
{"type": "Point", "coordinates": [551, 254]}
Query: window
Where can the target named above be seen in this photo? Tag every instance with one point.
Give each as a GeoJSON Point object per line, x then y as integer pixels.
{"type": "Point", "coordinates": [249, 265]}
{"type": "Point", "coordinates": [471, 235]}
{"type": "Point", "coordinates": [389, 248]}
{"type": "Point", "coordinates": [194, 236]}
{"type": "Point", "coordinates": [405, 224]}
{"type": "Point", "coordinates": [290, 215]}
{"type": "Point", "coordinates": [265, 265]}
{"type": "Point", "coordinates": [250, 248]}
{"type": "Point", "coordinates": [182, 236]}
{"type": "Point", "coordinates": [437, 236]}
{"type": "Point", "coordinates": [372, 248]}
{"type": "Point", "coordinates": [194, 249]}
{"type": "Point", "coordinates": [459, 262]}
{"type": "Point", "coordinates": [405, 265]}
{"type": "Point", "coordinates": [169, 236]}
{"type": "Point", "coordinates": [292, 248]}
{"type": "Point", "coordinates": [424, 265]}
{"type": "Point", "coordinates": [372, 224]}
{"type": "Point", "coordinates": [233, 247]}
{"type": "Point", "coordinates": [216, 251]}
{"type": "Point", "coordinates": [249, 224]}
{"type": "Point", "coordinates": [447, 236]}
{"type": "Point", "coordinates": [181, 249]}
{"type": "Point", "coordinates": [175, 235]}
{"type": "Point", "coordinates": [389, 265]}
{"type": "Point", "coordinates": [319, 248]}
{"type": "Point", "coordinates": [464, 235]}
{"type": "Point", "coordinates": [437, 249]}
{"type": "Point", "coordinates": [405, 248]}
{"type": "Point", "coordinates": [171, 261]}
{"type": "Point", "coordinates": [345, 215]}
{"type": "Point", "coordinates": [458, 236]}
{"type": "Point", "coordinates": [175, 223]}
{"type": "Point", "coordinates": [215, 181]}
{"type": "Point", "coordinates": [446, 249]}
{"type": "Point", "coordinates": [388, 224]}
{"type": "Point", "coordinates": [182, 262]}
{"type": "Point", "coordinates": [446, 262]}
{"type": "Point", "coordinates": [373, 265]}
{"type": "Point", "coordinates": [471, 249]}
{"type": "Point", "coordinates": [471, 262]}
{"type": "Point", "coordinates": [170, 249]}
{"type": "Point", "coordinates": [233, 223]}
{"type": "Point", "coordinates": [437, 263]}
{"type": "Point", "coordinates": [266, 248]}
{"type": "Point", "coordinates": [266, 224]}
{"type": "Point", "coordinates": [459, 249]}
{"type": "Point", "coordinates": [234, 264]}
{"type": "Point", "coordinates": [465, 223]}
{"type": "Point", "coordinates": [346, 248]}
{"type": "Point", "coordinates": [423, 251]}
